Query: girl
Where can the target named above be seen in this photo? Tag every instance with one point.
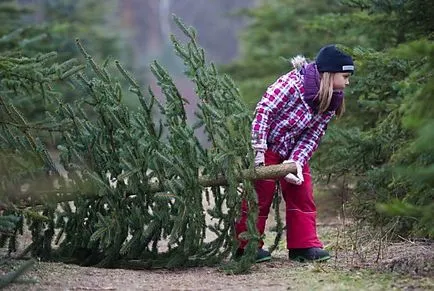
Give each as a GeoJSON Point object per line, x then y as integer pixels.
{"type": "Point", "coordinates": [289, 122]}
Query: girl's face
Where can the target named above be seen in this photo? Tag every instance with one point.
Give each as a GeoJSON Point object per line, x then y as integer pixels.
{"type": "Point", "coordinates": [341, 80]}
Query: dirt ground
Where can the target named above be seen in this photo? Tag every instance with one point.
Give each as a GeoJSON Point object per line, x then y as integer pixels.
{"type": "Point", "coordinates": [359, 261]}
{"type": "Point", "coordinates": [407, 265]}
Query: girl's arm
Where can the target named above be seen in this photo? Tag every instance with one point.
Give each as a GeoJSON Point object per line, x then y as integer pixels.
{"type": "Point", "coordinates": [310, 138]}
{"type": "Point", "coordinates": [273, 100]}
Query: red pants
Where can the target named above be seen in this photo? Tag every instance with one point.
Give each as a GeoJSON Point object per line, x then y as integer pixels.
{"type": "Point", "coordinates": [300, 208]}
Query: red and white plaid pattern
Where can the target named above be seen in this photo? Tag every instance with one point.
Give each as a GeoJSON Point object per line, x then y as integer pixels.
{"type": "Point", "coordinates": [285, 123]}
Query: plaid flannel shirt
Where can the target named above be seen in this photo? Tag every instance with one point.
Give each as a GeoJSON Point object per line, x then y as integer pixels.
{"type": "Point", "coordinates": [285, 123]}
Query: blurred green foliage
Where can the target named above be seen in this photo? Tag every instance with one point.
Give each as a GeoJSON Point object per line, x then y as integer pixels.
{"type": "Point", "coordinates": [278, 29]}
{"type": "Point", "coordinates": [50, 28]}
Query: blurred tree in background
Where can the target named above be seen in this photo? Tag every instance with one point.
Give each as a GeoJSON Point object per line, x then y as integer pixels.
{"type": "Point", "coordinates": [277, 29]}
{"type": "Point", "coordinates": [93, 22]}
{"type": "Point", "coordinates": [52, 26]}
{"type": "Point", "coordinates": [380, 146]}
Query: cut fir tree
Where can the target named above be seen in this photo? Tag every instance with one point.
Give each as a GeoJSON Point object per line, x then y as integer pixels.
{"type": "Point", "coordinates": [141, 190]}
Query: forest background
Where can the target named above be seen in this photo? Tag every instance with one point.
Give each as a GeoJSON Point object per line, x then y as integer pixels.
{"type": "Point", "coordinates": [378, 158]}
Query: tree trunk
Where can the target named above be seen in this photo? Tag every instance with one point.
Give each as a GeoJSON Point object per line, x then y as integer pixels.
{"type": "Point", "coordinates": [40, 197]}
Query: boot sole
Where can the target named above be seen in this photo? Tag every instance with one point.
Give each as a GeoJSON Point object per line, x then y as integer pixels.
{"type": "Point", "coordinates": [304, 260]}
{"type": "Point", "coordinates": [261, 260]}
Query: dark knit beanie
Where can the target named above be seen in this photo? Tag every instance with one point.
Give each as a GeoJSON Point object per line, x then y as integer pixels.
{"type": "Point", "coordinates": [330, 59]}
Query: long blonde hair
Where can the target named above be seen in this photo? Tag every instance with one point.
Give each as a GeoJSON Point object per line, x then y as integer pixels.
{"type": "Point", "coordinates": [325, 94]}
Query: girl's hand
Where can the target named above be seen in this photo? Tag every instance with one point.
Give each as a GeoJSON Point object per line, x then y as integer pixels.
{"type": "Point", "coordinates": [296, 179]}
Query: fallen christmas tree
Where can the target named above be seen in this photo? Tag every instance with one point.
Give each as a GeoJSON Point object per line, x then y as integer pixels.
{"type": "Point", "coordinates": [143, 193]}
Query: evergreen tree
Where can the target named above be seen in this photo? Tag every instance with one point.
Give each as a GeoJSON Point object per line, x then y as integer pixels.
{"type": "Point", "coordinates": [134, 191]}
{"type": "Point", "coordinates": [377, 142]}
{"type": "Point", "coordinates": [23, 158]}
{"type": "Point", "coordinates": [415, 160]}
{"type": "Point", "coordinates": [127, 220]}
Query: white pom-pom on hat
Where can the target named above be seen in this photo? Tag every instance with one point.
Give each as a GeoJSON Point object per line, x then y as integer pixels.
{"type": "Point", "coordinates": [298, 61]}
